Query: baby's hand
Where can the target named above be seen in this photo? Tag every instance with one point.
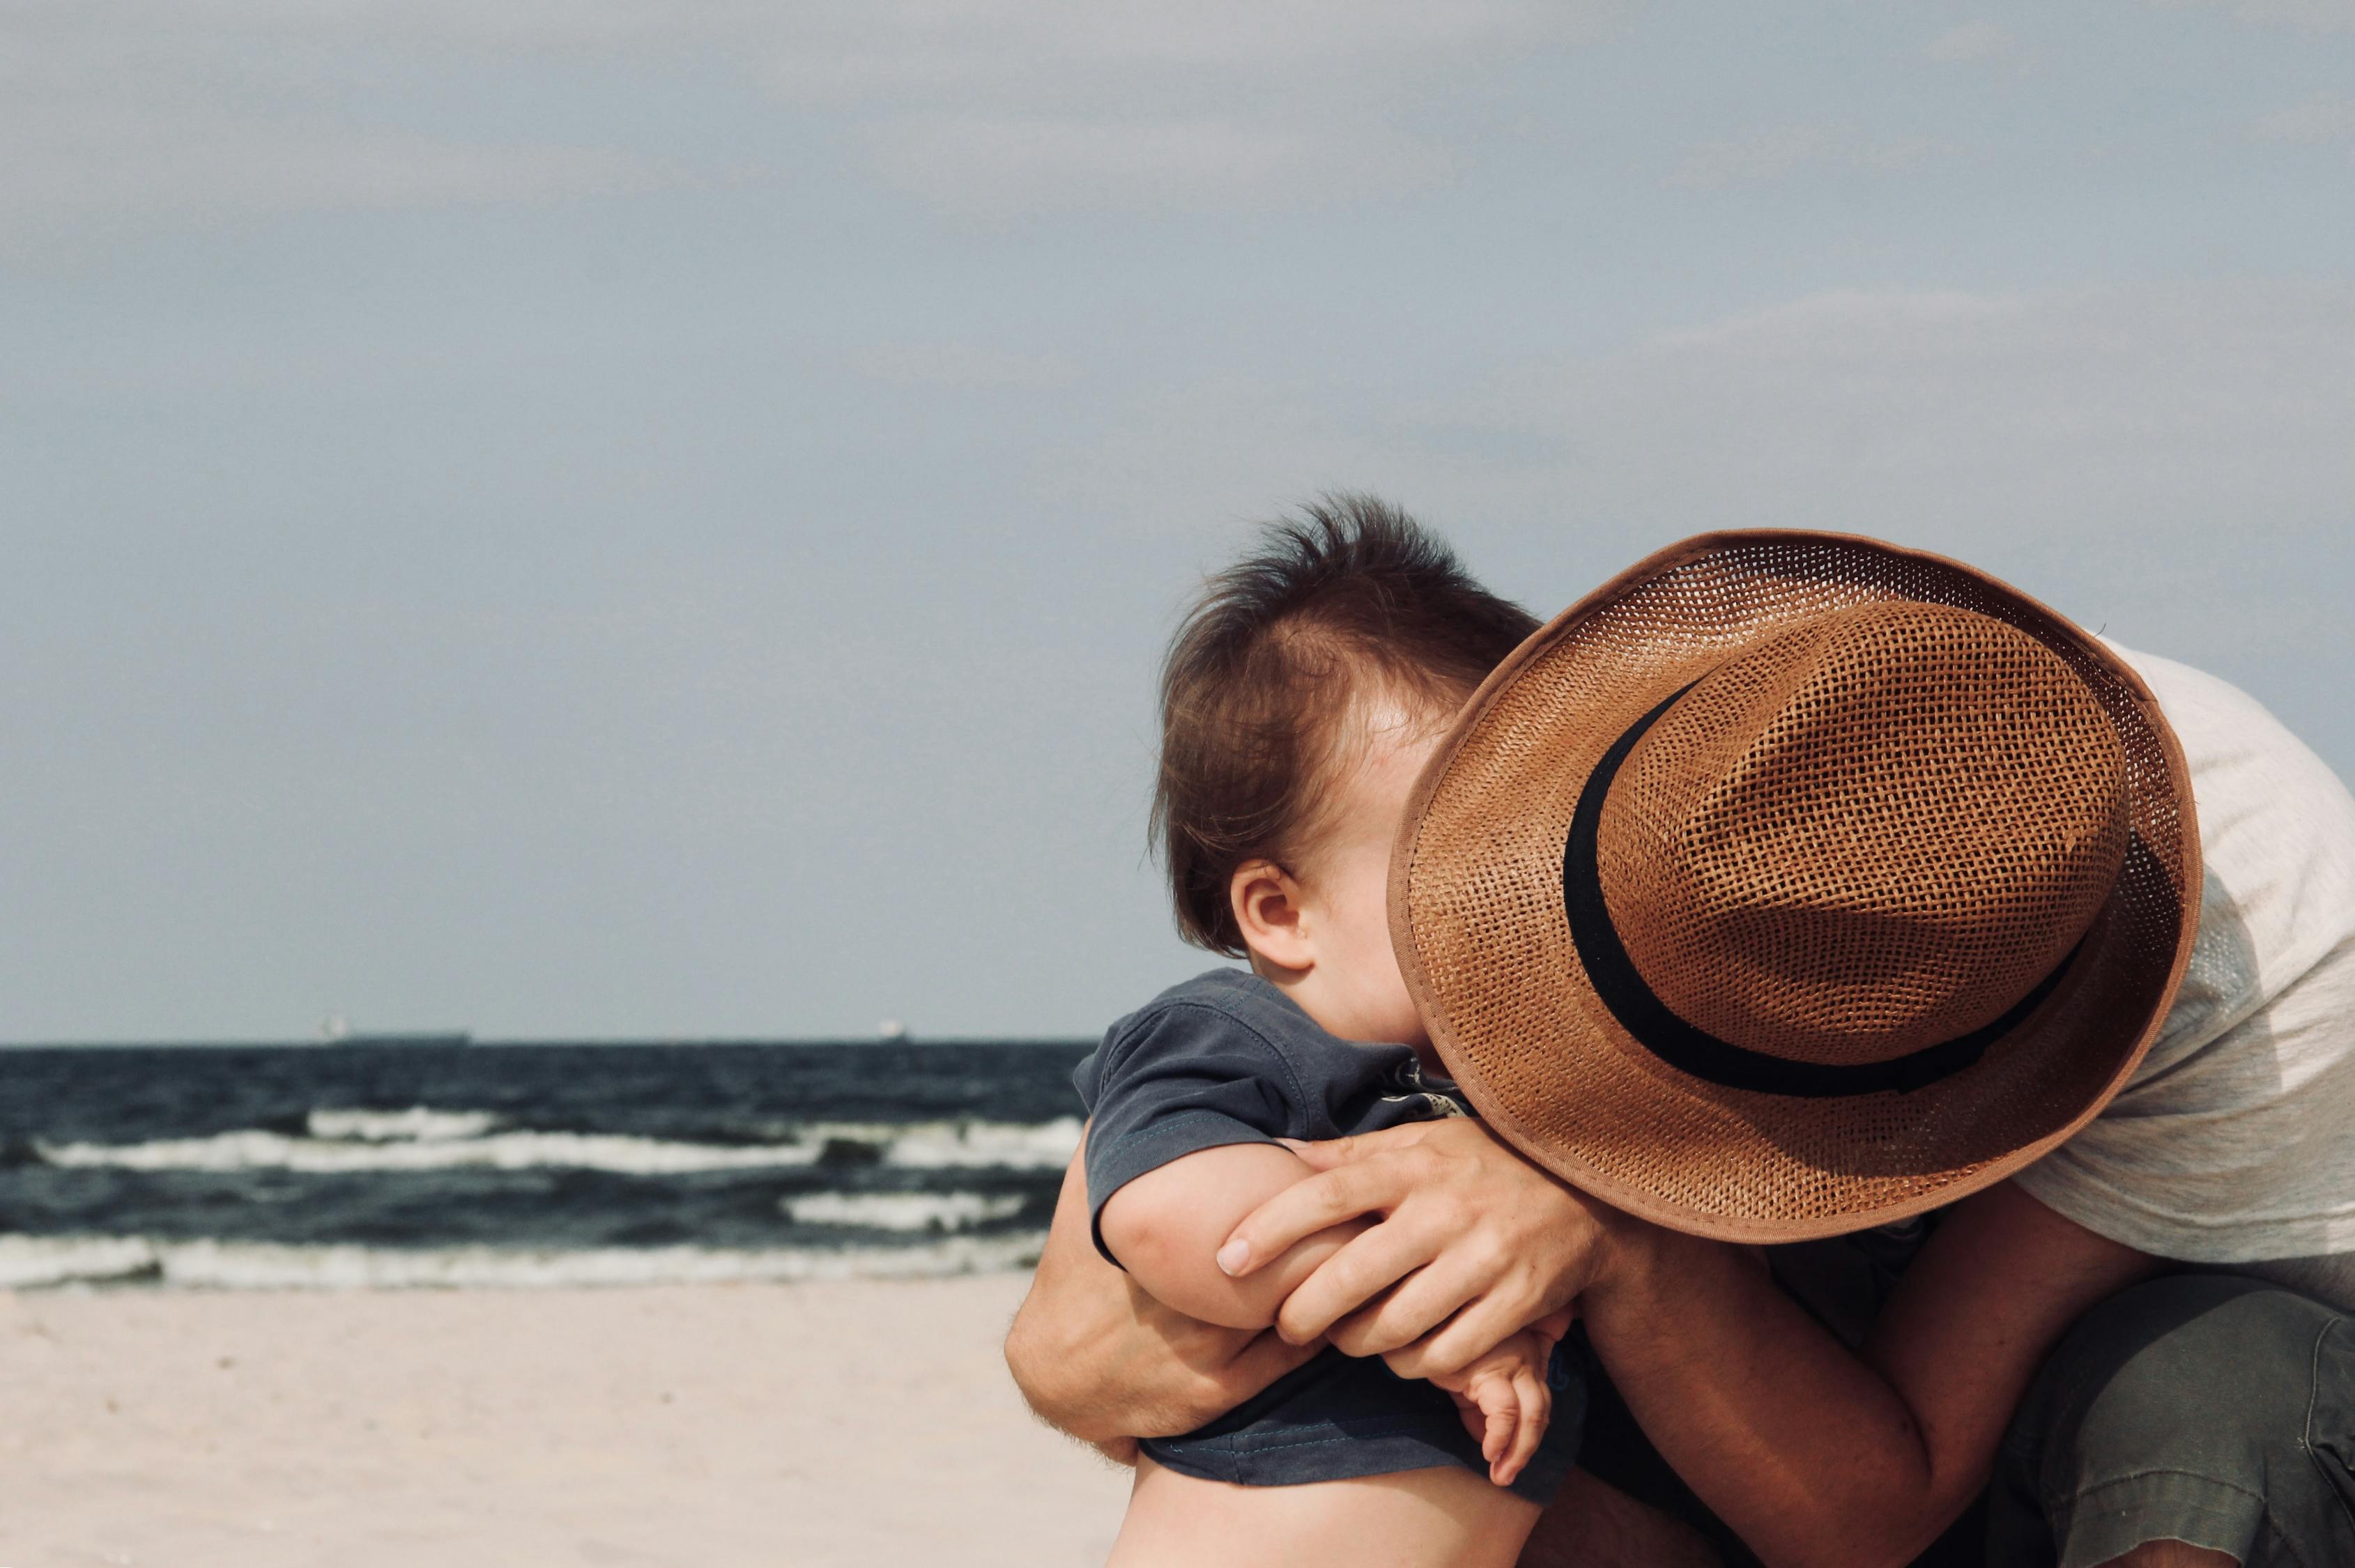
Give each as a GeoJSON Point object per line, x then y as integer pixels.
{"type": "Point", "coordinates": [1504, 1398]}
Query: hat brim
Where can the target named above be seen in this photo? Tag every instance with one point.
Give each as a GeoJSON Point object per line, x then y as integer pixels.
{"type": "Point", "coordinates": [1477, 919]}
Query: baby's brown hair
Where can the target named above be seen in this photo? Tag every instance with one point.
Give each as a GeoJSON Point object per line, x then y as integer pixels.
{"type": "Point", "coordinates": [1347, 599]}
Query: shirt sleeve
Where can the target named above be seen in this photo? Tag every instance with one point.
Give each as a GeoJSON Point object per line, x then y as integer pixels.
{"type": "Point", "coordinates": [1183, 1079]}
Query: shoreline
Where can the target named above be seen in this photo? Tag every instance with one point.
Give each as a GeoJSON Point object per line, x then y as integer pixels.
{"type": "Point", "coordinates": [57, 1264]}
{"type": "Point", "coordinates": [813, 1423]}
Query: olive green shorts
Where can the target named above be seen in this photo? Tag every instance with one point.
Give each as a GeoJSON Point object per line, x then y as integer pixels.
{"type": "Point", "coordinates": [2209, 1409]}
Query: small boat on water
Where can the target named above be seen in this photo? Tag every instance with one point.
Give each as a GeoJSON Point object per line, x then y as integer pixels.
{"type": "Point", "coordinates": [337, 1031]}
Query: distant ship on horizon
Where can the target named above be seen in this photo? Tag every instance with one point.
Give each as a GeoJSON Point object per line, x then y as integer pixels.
{"type": "Point", "coordinates": [337, 1030]}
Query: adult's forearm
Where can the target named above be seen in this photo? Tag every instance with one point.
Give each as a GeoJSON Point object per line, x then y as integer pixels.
{"type": "Point", "coordinates": [1060, 1322]}
{"type": "Point", "coordinates": [1818, 1455]}
{"type": "Point", "coordinates": [1105, 1362]}
{"type": "Point", "coordinates": [1804, 1449]}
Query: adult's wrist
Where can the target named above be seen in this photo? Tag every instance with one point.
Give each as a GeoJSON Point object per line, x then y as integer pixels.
{"type": "Point", "coordinates": [1638, 1261]}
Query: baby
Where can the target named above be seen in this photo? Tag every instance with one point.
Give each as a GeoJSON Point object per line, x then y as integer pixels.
{"type": "Point", "coordinates": [1299, 703]}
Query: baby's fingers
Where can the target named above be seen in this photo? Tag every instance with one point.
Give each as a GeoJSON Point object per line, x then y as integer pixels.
{"type": "Point", "coordinates": [1500, 1414]}
{"type": "Point", "coordinates": [1502, 1420]}
{"type": "Point", "coordinates": [1536, 1407]}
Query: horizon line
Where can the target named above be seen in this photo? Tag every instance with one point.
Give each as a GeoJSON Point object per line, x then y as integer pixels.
{"type": "Point", "coordinates": [452, 1039]}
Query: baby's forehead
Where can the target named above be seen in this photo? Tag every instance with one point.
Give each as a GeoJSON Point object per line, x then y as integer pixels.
{"type": "Point", "coordinates": [1374, 728]}
{"type": "Point", "coordinates": [1373, 707]}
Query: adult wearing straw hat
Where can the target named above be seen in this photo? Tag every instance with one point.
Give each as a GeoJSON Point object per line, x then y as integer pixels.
{"type": "Point", "coordinates": [1794, 886]}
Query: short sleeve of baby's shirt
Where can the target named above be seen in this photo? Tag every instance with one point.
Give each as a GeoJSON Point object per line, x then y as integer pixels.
{"type": "Point", "coordinates": [1185, 1073]}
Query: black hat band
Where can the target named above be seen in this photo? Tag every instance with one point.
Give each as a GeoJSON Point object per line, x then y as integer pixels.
{"type": "Point", "coordinates": [1695, 1051]}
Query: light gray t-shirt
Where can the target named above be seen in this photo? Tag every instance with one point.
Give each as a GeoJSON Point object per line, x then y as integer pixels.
{"type": "Point", "coordinates": [2233, 1144]}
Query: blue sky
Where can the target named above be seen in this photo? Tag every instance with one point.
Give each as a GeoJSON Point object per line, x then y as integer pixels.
{"type": "Point", "coordinates": [634, 518]}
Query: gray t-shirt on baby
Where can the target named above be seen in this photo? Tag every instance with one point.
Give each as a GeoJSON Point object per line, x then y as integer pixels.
{"type": "Point", "coordinates": [2233, 1144]}
{"type": "Point", "coordinates": [1226, 1058]}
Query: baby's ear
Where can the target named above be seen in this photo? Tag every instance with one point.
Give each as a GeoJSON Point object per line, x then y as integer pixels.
{"type": "Point", "coordinates": [1267, 904]}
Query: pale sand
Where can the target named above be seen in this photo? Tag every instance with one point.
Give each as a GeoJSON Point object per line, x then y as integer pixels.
{"type": "Point", "coordinates": [859, 1422]}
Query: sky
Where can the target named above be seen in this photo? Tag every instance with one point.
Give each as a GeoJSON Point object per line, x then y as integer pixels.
{"type": "Point", "coordinates": [640, 518]}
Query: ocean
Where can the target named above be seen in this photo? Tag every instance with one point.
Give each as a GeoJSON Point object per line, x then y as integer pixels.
{"type": "Point", "coordinates": [292, 1166]}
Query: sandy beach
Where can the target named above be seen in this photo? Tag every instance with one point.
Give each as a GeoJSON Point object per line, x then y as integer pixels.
{"type": "Point", "coordinates": [853, 1422]}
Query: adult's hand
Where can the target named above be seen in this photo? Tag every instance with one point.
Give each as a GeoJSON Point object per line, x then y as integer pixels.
{"type": "Point", "coordinates": [1100, 1358]}
{"type": "Point", "coordinates": [1476, 1241]}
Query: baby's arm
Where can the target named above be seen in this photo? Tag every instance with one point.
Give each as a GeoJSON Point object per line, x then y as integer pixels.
{"type": "Point", "coordinates": [1167, 1226]}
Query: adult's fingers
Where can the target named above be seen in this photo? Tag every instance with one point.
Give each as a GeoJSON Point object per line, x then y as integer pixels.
{"type": "Point", "coordinates": [1432, 1295]}
{"type": "Point", "coordinates": [1464, 1339]}
{"type": "Point", "coordinates": [1334, 1153]}
{"type": "Point", "coordinates": [1367, 1264]}
{"type": "Point", "coordinates": [1312, 1204]}
{"type": "Point", "coordinates": [1481, 1326]}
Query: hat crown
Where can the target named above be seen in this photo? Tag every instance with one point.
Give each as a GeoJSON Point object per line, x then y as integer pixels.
{"type": "Point", "coordinates": [1873, 831]}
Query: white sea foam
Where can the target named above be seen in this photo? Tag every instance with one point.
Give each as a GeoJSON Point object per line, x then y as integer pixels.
{"type": "Point", "coordinates": [252, 1150]}
{"type": "Point", "coordinates": [1028, 1146]}
{"type": "Point", "coordinates": [902, 1211]}
{"type": "Point", "coordinates": [38, 1262]}
{"type": "Point", "coordinates": [28, 1262]}
{"type": "Point", "coordinates": [438, 1143]}
{"type": "Point", "coordinates": [419, 1123]}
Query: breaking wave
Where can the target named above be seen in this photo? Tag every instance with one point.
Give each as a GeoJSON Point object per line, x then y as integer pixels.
{"type": "Point", "coordinates": [28, 1263]}
{"type": "Point", "coordinates": [903, 1211]}
{"type": "Point", "coordinates": [419, 1123]}
{"type": "Point", "coordinates": [423, 1138]}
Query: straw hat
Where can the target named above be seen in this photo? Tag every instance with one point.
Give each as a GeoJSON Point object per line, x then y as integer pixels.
{"type": "Point", "coordinates": [1792, 884]}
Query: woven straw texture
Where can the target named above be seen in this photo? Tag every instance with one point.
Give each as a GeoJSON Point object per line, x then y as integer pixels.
{"type": "Point", "coordinates": [1897, 795]}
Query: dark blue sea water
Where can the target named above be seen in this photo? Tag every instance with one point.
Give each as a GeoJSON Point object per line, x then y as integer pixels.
{"type": "Point", "coordinates": [284, 1167]}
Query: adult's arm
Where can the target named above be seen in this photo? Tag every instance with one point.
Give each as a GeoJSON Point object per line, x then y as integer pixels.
{"type": "Point", "coordinates": [1813, 1454]}
{"type": "Point", "coordinates": [1104, 1360]}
